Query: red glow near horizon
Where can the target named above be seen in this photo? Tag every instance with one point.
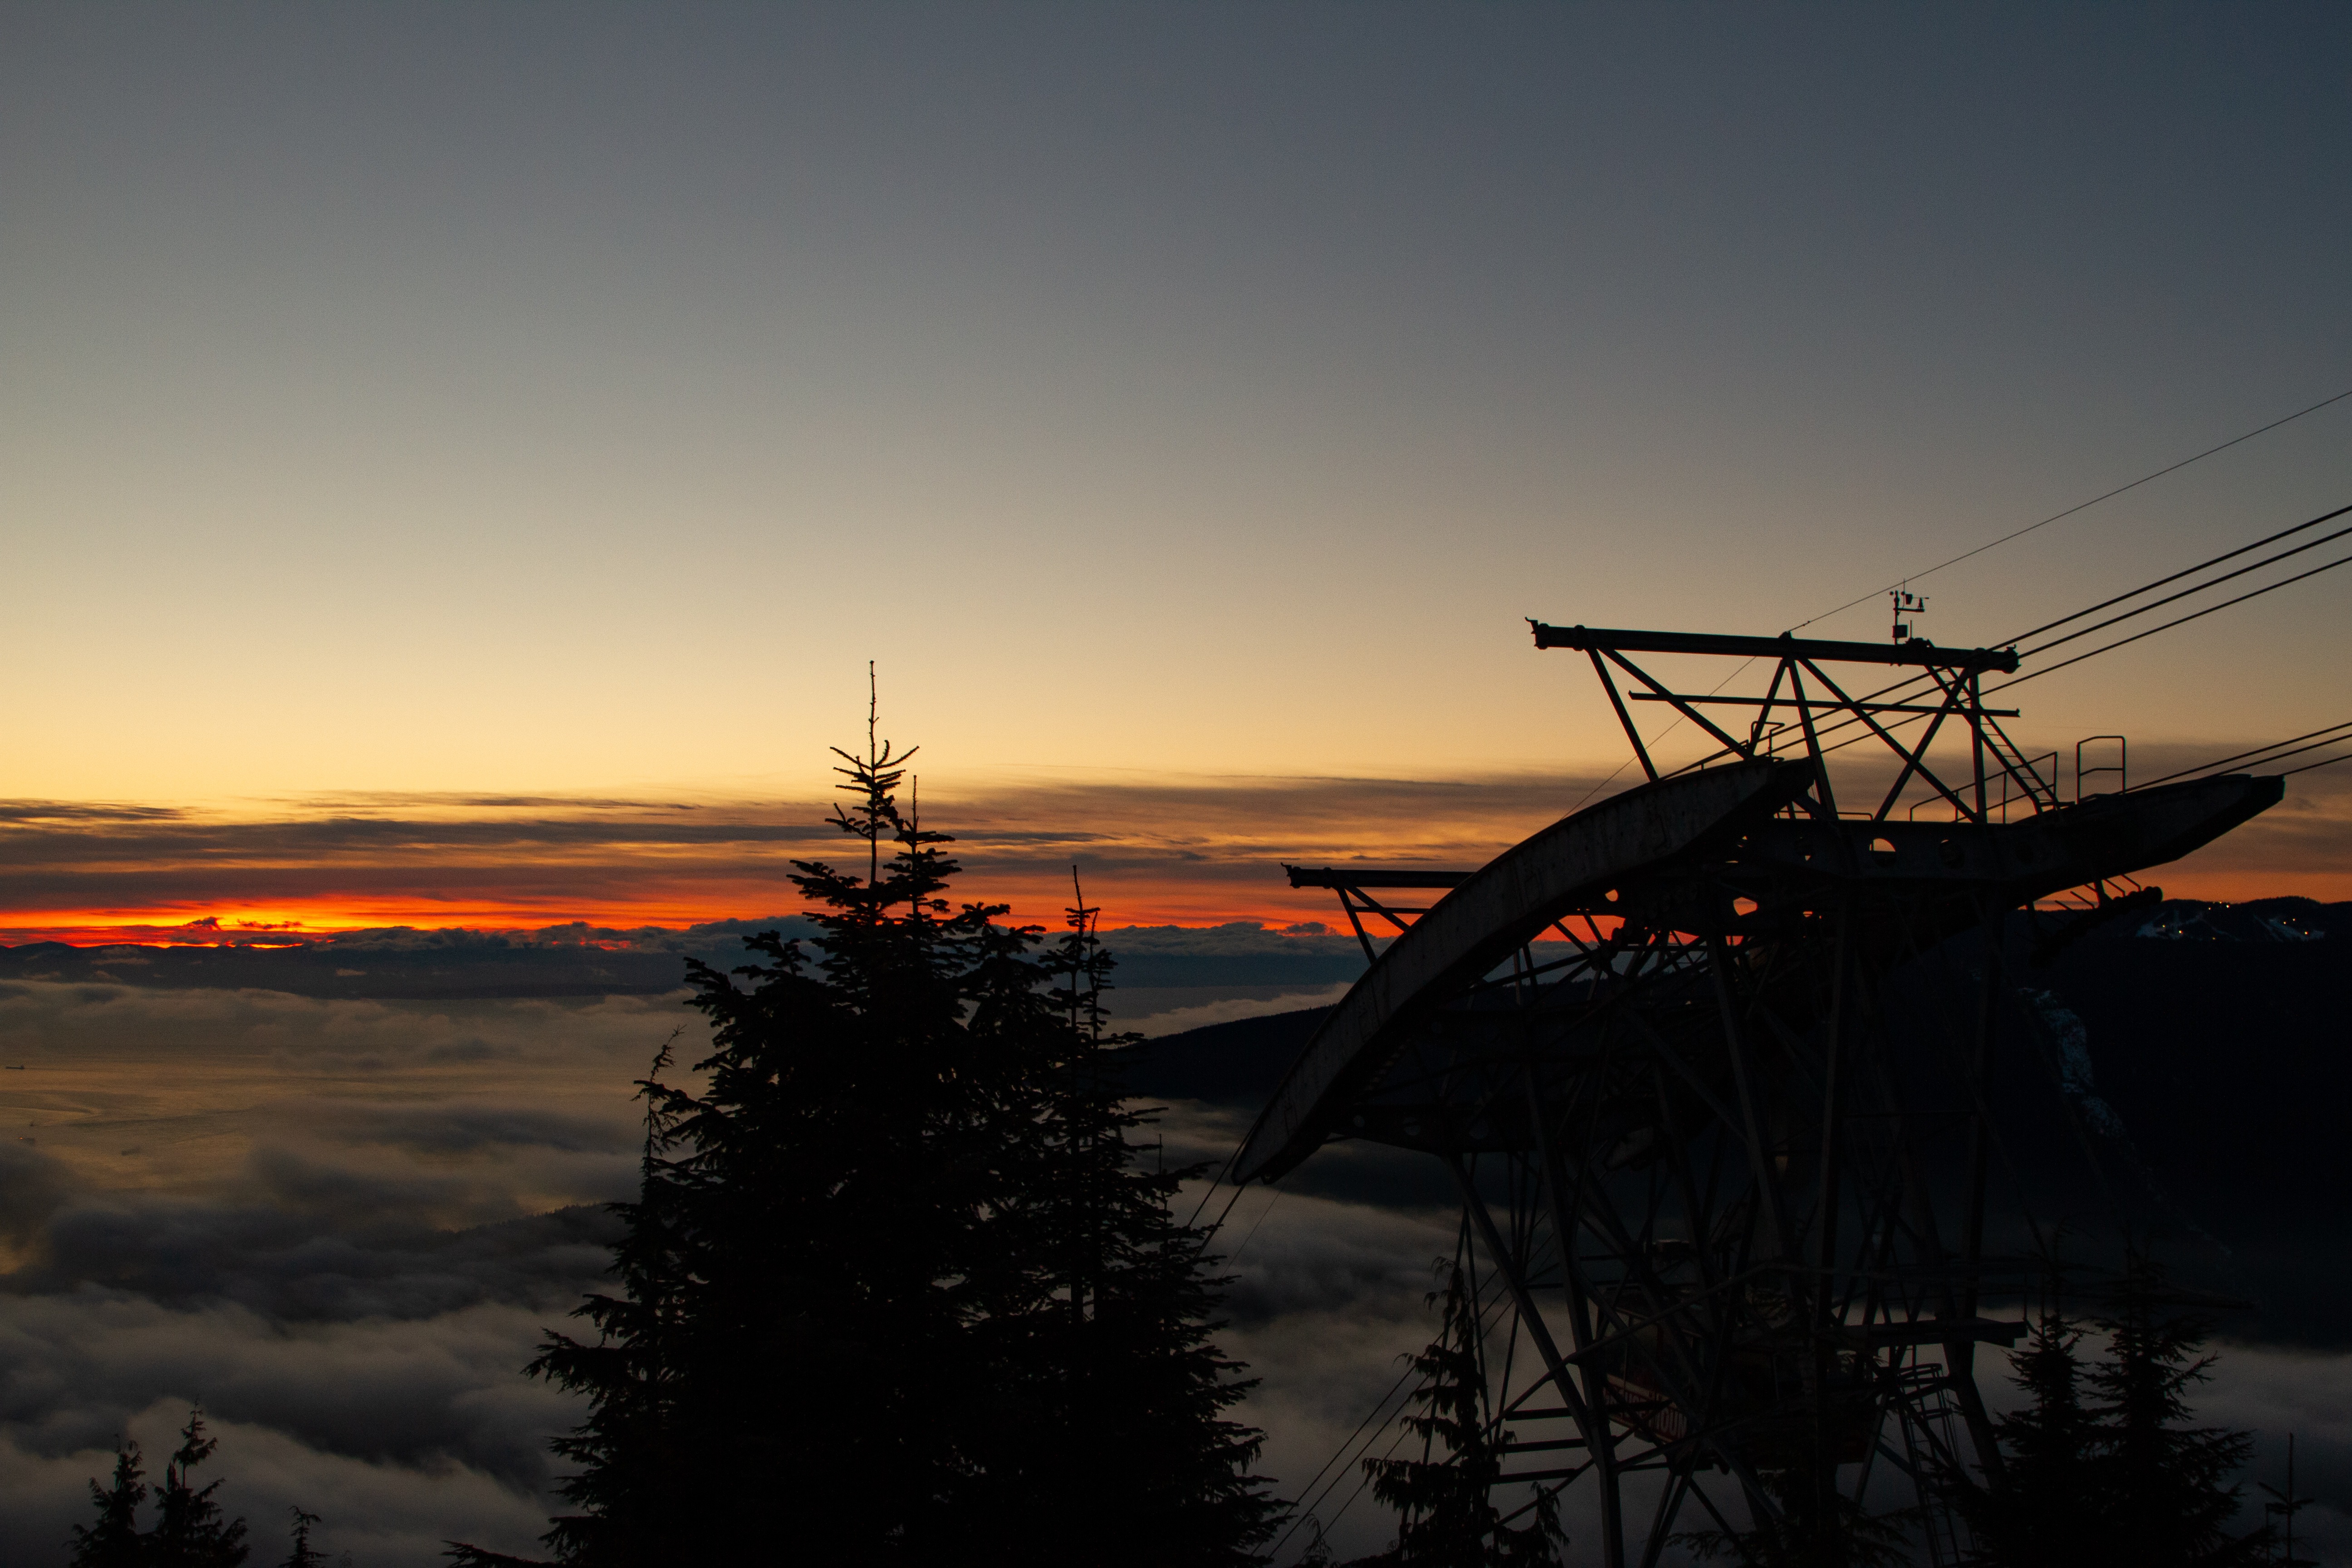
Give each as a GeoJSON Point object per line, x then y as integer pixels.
{"type": "Point", "coordinates": [290, 921]}
{"type": "Point", "coordinates": [1139, 901]}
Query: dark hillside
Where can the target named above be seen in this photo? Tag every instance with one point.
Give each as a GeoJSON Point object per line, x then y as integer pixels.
{"type": "Point", "coordinates": [2218, 1095]}
{"type": "Point", "coordinates": [1226, 1063]}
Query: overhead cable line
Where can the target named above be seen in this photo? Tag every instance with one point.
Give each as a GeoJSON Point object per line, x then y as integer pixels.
{"type": "Point", "coordinates": [2080, 506]}
{"type": "Point", "coordinates": [2186, 571]}
{"type": "Point", "coordinates": [2105, 648]}
{"type": "Point", "coordinates": [2330, 762]}
{"type": "Point", "coordinates": [2185, 592]}
{"type": "Point", "coordinates": [2316, 745]}
{"type": "Point", "coordinates": [2020, 534]}
{"type": "Point", "coordinates": [1897, 688]}
{"type": "Point", "coordinates": [2183, 620]}
{"type": "Point", "coordinates": [2328, 729]}
{"type": "Point", "coordinates": [1374, 1424]}
{"type": "Point", "coordinates": [1307, 1503]}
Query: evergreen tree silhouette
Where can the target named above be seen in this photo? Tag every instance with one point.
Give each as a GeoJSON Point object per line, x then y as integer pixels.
{"type": "Point", "coordinates": [2040, 1509]}
{"type": "Point", "coordinates": [1116, 1431]}
{"type": "Point", "coordinates": [801, 1257]}
{"type": "Point", "coordinates": [848, 1271]}
{"type": "Point", "coordinates": [189, 1529]}
{"type": "Point", "coordinates": [2166, 1487]}
{"type": "Point", "coordinates": [2097, 1465]}
{"type": "Point", "coordinates": [300, 1552]}
{"type": "Point", "coordinates": [115, 1542]}
{"type": "Point", "coordinates": [1446, 1497]}
{"type": "Point", "coordinates": [634, 1463]}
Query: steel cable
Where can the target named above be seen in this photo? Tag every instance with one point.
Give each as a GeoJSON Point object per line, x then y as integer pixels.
{"type": "Point", "coordinates": [2263, 753]}
{"type": "Point", "coordinates": [2326, 762]}
{"type": "Point", "coordinates": [1908, 683]}
{"type": "Point", "coordinates": [2181, 621]}
{"type": "Point", "coordinates": [2080, 506]}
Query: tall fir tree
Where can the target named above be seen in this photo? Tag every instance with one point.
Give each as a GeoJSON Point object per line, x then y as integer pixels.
{"type": "Point", "coordinates": [848, 1278]}
{"type": "Point", "coordinates": [1445, 1497]}
{"type": "Point", "coordinates": [190, 1529]}
{"type": "Point", "coordinates": [2096, 1464]}
{"type": "Point", "coordinates": [300, 1552]}
{"type": "Point", "coordinates": [2038, 1509]}
{"type": "Point", "coordinates": [1120, 1432]}
{"type": "Point", "coordinates": [115, 1540]}
{"type": "Point", "coordinates": [2166, 1487]}
{"type": "Point", "coordinates": [636, 1458]}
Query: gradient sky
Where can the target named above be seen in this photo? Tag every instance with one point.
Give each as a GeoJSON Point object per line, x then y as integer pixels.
{"type": "Point", "coordinates": [412, 404]}
{"type": "Point", "coordinates": [456, 461]}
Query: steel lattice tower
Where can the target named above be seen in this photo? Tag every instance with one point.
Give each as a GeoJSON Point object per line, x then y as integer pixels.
{"type": "Point", "coordinates": [1727, 1197]}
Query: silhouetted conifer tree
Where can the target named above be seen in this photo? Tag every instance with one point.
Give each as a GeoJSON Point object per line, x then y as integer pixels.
{"type": "Point", "coordinates": [190, 1532]}
{"type": "Point", "coordinates": [1117, 1438]}
{"type": "Point", "coordinates": [841, 1281]}
{"type": "Point", "coordinates": [1445, 1497]}
{"type": "Point", "coordinates": [115, 1540]}
{"type": "Point", "coordinates": [2040, 1509]}
{"type": "Point", "coordinates": [636, 1459]}
{"type": "Point", "coordinates": [2167, 1491]}
{"type": "Point", "coordinates": [2095, 1465]}
{"type": "Point", "coordinates": [300, 1552]}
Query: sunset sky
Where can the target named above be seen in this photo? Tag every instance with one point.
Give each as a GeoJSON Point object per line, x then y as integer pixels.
{"type": "Point", "coordinates": [457, 462]}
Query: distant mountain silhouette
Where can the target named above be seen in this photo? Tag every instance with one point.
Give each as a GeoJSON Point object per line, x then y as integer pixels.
{"type": "Point", "coordinates": [1236, 1063]}
{"type": "Point", "coordinates": [401, 964]}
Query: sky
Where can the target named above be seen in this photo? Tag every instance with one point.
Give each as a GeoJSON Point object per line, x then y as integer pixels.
{"type": "Point", "coordinates": [459, 463]}
{"type": "Point", "coordinates": [456, 432]}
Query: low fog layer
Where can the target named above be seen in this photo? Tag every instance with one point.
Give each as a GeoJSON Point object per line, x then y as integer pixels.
{"type": "Point", "coordinates": [342, 1224]}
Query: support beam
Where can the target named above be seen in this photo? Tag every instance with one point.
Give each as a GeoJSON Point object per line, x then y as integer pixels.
{"type": "Point", "coordinates": [1917, 653]}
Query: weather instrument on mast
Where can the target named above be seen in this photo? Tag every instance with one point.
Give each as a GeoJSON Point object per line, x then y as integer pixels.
{"type": "Point", "coordinates": [1906, 603]}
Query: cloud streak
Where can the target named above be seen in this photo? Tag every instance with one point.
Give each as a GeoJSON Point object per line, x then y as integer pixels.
{"type": "Point", "coordinates": [1186, 852]}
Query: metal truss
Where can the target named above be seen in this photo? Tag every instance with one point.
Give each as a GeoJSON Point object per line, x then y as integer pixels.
{"type": "Point", "coordinates": [1717, 1095]}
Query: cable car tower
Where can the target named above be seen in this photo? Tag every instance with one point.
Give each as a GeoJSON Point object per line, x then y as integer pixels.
{"type": "Point", "coordinates": [1711, 1063]}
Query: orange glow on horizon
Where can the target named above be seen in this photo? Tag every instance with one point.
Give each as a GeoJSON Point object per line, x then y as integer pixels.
{"type": "Point", "coordinates": [1156, 901]}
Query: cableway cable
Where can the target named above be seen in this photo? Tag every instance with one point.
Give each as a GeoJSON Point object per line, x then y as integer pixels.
{"type": "Point", "coordinates": [1307, 1504]}
{"type": "Point", "coordinates": [2184, 620]}
{"type": "Point", "coordinates": [2175, 577]}
{"type": "Point", "coordinates": [2193, 588]}
{"type": "Point", "coordinates": [2327, 763]}
{"type": "Point", "coordinates": [1366, 1433]}
{"type": "Point", "coordinates": [1911, 683]}
{"type": "Point", "coordinates": [2267, 753]}
{"type": "Point", "coordinates": [2080, 506]}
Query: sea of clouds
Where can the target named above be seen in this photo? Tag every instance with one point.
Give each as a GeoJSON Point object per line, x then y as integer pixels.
{"type": "Point", "coordinates": [343, 1226]}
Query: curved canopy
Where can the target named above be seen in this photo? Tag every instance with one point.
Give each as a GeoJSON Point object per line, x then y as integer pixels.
{"type": "Point", "coordinates": [1478, 924]}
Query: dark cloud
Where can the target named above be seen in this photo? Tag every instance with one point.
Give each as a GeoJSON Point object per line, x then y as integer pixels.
{"type": "Point", "coordinates": [1218, 839]}
{"type": "Point", "coordinates": [32, 1186]}
{"type": "Point", "coordinates": [85, 811]}
{"type": "Point", "coordinates": [317, 1263]}
{"type": "Point", "coordinates": [587, 850]}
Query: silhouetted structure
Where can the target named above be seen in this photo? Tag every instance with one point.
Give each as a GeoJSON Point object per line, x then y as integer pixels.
{"type": "Point", "coordinates": [1732, 1202]}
